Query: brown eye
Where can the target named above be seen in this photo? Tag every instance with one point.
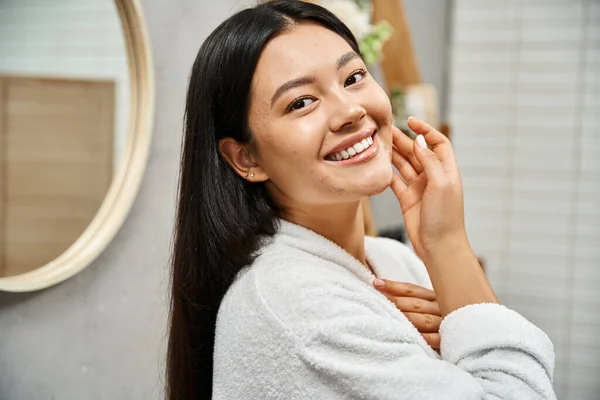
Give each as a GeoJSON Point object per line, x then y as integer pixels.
{"type": "Point", "coordinates": [300, 103]}
{"type": "Point", "coordinates": [355, 78]}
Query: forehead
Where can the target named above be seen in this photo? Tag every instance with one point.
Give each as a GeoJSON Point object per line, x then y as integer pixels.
{"type": "Point", "coordinates": [304, 49]}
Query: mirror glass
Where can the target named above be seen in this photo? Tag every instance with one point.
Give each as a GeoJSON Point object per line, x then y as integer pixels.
{"type": "Point", "coordinates": [64, 115]}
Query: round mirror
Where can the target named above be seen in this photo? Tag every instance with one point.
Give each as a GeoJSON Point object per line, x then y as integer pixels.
{"type": "Point", "coordinates": [76, 102]}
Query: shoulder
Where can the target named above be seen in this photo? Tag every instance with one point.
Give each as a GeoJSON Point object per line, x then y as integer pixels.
{"type": "Point", "coordinates": [287, 273]}
{"type": "Point", "coordinates": [299, 274]}
{"type": "Point", "coordinates": [297, 288]}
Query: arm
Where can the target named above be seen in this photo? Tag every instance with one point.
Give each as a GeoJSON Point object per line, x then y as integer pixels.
{"type": "Point", "coordinates": [505, 354]}
{"type": "Point", "coordinates": [457, 278]}
{"type": "Point", "coordinates": [350, 349]}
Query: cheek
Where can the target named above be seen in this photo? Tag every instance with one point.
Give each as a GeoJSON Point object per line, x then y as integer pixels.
{"type": "Point", "coordinates": [287, 149]}
{"type": "Point", "coordinates": [381, 107]}
{"type": "Point", "coordinates": [296, 142]}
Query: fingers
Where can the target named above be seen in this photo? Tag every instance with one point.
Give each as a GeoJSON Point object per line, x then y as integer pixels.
{"type": "Point", "coordinates": [439, 143]}
{"type": "Point", "coordinates": [416, 305]}
{"type": "Point", "coordinates": [404, 145]}
{"type": "Point", "coordinates": [407, 196]}
{"type": "Point", "coordinates": [398, 185]}
{"type": "Point", "coordinates": [425, 323]}
{"type": "Point", "coordinates": [404, 289]}
{"type": "Point", "coordinates": [430, 161]}
{"type": "Point", "coordinates": [407, 171]}
{"type": "Point", "coordinates": [432, 339]}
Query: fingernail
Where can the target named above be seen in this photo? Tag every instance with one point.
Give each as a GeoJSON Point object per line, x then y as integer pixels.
{"type": "Point", "coordinates": [421, 142]}
{"type": "Point", "coordinates": [411, 117]}
{"type": "Point", "coordinates": [378, 282]}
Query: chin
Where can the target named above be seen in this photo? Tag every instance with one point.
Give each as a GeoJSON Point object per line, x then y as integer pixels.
{"type": "Point", "coordinates": [379, 185]}
{"type": "Point", "coordinates": [365, 180]}
{"type": "Point", "coordinates": [380, 175]}
{"type": "Point", "coordinates": [376, 181]}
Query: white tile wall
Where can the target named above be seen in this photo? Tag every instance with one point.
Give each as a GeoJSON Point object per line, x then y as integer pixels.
{"type": "Point", "coordinates": [524, 103]}
{"type": "Point", "coordinates": [67, 38]}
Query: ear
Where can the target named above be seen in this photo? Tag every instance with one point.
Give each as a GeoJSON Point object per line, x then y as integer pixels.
{"type": "Point", "coordinates": [239, 156]}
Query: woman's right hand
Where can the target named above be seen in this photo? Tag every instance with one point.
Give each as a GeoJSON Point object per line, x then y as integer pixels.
{"type": "Point", "coordinates": [429, 189]}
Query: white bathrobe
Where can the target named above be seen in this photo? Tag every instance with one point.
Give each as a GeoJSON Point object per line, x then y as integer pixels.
{"type": "Point", "coordinates": [305, 322]}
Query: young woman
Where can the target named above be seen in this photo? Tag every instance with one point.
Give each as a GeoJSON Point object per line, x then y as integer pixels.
{"type": "Point", "coordinates": [273, 285]}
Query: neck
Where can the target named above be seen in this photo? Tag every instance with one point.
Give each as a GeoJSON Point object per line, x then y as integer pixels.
{"type": "Point", "coordinates": [343, 224]}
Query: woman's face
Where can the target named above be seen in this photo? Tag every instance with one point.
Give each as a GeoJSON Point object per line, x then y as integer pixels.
{"type": "Point", "coordinates": [321, 124]}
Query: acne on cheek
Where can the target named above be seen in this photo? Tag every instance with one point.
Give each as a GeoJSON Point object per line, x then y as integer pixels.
{"type": "Point", "coordinates": [331, 185]}
{"type": "Point", "coordinates": [336, 189]}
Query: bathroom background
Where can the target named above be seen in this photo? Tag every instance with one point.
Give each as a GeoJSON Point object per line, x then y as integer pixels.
{"type": "Point", "coordinates": [518, 81]}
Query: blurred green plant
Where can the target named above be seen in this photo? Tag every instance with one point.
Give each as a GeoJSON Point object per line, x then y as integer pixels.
{"type": "Point", "coordinates": [370, 46]}
{"type": "Point", "coordinates": [364, 5]}
{"type": "Point", "coordinates": [357, 15]}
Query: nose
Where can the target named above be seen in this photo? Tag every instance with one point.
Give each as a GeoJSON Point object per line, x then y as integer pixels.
{"type": "Point", "coordinates": [346, 112]}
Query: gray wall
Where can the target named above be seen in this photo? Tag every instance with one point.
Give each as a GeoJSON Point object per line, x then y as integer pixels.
{"type": "Point", "coordinates": [101, 334]}
{"type": "Point", "coordinates": [430, 28]}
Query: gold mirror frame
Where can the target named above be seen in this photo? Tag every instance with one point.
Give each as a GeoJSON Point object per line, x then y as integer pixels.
{"type": "Point", "coordinates": [127, 179]}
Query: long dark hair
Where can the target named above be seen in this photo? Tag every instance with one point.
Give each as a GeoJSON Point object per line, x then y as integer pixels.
{"type": "Point", "coordinates": [221, 218]}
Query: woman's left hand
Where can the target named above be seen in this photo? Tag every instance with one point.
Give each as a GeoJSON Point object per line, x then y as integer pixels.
{"type": "Point", "coordinates": [418, 304]}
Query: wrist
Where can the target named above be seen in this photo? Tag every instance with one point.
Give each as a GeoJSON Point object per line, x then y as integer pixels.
{"type": "Point", "coordinates": [448, 245]}
{"type": "Point", "coordinates": [453, 251]}
{"type": "Point", "coordinates": [457, 277]}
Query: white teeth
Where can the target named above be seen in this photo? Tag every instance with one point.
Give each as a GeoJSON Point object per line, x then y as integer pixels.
{"type": "Point", "coordinates": [352, 150]}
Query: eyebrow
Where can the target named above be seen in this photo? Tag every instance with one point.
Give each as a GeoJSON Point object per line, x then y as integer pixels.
{"type": "Point", "coordinates": [346, 58]}
{"type": "Point", "coordinates": [307, 80]}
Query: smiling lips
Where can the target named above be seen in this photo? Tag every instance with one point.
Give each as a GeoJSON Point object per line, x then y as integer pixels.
{"type": "Point", "coordinates": [351, 151]}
